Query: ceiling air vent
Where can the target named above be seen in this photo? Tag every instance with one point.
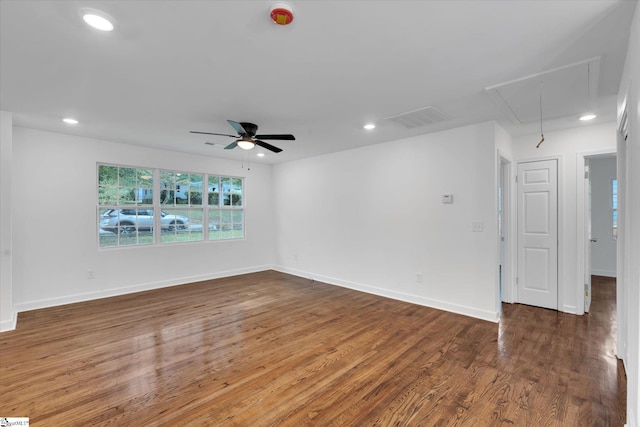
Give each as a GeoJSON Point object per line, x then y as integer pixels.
{"type": "Point", "coordinates": [420, 117]}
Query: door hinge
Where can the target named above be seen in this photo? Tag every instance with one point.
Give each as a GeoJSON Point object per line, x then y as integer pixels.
{"type": "Point", "coordinates": [516, 178]}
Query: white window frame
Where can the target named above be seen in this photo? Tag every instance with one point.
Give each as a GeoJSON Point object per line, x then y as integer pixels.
{"type": "Point", "coordinates": [235, 211]}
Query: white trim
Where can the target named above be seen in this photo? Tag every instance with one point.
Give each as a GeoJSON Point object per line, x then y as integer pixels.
{"type": "Point", "coordinates": [605, 273]}
{"type": "Point", "coordinates": [509, 290]}
{"type": "Point", "coordinates": [10, 325]}
{"type": "Point", "coordinates": [401, 296]}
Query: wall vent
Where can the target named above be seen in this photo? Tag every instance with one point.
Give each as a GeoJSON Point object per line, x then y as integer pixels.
{"type": "Point", "coordinates": [420, 117]}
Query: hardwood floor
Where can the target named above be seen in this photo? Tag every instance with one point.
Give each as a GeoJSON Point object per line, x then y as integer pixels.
{"type": "Point", "coordinates": [269, 349]}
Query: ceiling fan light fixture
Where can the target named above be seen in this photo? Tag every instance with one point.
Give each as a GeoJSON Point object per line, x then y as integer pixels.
{"type": "Point", "coordinates": [587, 117]}
{"type": "Point", "coordinates": [370, 126]}
{"type": "Point", "coordinates": [246, 143]}
{"type": "Point", "coordinates": [97, 19]}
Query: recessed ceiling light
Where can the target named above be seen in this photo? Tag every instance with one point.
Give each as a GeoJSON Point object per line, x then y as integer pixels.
{"type": "Point", "coordinates": [587, 117]}
{"type": "Point", "coordinates": [260, 154]}
{"type": "Point", "coordinates": [97, 19]}
{"type": "Point", "coordinates": [70, 121]}
{"type": "Point", "coordinates": [369, 126]}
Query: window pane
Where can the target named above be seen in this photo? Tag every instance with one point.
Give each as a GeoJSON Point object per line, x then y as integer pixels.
{"type": "Point", "coordinates": [145, 178]}
{"type": "Point", "coordinates": [119, 227]}
{"type": "Point", "coordinates": [214, 191]}
{"type": "Point", "coordinates": [231, 191]}
{"type": "Point", "coordinates": [127, 177]}
{"type": "Point", "coordinates": [107, 195]}
{"type": "Point", "coordinates": [127, 195]}
{"type": "Point", "coordinates": [226, 224]}
{"type": "Point", "coordinates": [107, 175]}
{"type": "Point", "coordinates": [108, 185]}
{"type": "Point", "coordinates": [181, 225]}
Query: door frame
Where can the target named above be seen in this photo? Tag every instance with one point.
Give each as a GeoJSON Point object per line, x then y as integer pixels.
{"type": "Point", "coordinates": [505, 179]}
{"type": "Point", "coordinates": [581, 222]}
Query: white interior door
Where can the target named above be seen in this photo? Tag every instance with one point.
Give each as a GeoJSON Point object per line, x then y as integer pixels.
{"type": "Point", "coordinates": [538, 233]}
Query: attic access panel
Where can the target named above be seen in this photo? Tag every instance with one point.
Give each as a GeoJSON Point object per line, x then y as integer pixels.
{"type": "Point", "coordinates": [566, 91]}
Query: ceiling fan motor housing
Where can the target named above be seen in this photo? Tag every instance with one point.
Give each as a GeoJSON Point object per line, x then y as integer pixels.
{"type": "Point", "coordinates": [250, 128]}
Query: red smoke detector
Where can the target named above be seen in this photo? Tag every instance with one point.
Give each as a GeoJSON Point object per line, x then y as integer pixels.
{"type": "Point", "coordinates": [281, 14]}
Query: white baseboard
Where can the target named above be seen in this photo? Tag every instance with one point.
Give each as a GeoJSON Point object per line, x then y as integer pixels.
{"type": "Point", "coordinates": [605, 273]}
{"type": "Point", "coordinates": [401, 296]}
{"type": "Point", "coordinates": [70, 299]}
{"type": "Point", "coordinates": [9, 325]}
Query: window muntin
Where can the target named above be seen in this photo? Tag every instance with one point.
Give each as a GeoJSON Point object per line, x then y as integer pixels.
{"type": "Point", "coordinates": [127, 208]}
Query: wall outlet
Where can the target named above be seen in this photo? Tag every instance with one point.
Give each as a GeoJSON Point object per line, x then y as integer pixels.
{"type": "Point", "coordinates": [418, 277]}
{"type": "Point", "coordinates": [91, 274]}
{"type": "Point", "coordinates": [477, 226]}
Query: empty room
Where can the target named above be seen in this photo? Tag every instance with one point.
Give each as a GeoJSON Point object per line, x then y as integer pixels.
{"type": "Point", "coordinates": [319, 213]}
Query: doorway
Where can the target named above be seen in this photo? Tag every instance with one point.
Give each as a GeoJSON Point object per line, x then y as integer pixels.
{"type": "Point", "coordinates": [505, 292]}
{"type": "Point", "coordinates": [601, 220]}
{"type": "Point", "coordinates": [596, 221]}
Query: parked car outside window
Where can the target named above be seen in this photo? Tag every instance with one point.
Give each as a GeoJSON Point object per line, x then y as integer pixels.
{"type": "Point", "coordinates": [127, 221]}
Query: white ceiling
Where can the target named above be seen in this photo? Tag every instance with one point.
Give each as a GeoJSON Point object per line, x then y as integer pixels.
{"type": "Point", "coordinates": [174, 66]}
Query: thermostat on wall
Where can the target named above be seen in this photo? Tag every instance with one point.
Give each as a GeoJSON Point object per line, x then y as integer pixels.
{"type": "Point", "coordinates": [447, 198]}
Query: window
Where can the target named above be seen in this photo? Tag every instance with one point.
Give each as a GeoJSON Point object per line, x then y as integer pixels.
{"type": "Point", "coordinates": [614, 207]}
{"type": "Point", "coordinates": [139, 206]}
{"type": "Point", "coordinates": [226, 214]}
{"type": "Point", "coordinates": [125, 206]}
{"type": "Point", "coordinates": [181, 202]}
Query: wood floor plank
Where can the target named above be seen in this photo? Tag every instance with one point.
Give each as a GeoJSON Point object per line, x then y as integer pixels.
{"type": "Point", "coordinates": [270, 349]}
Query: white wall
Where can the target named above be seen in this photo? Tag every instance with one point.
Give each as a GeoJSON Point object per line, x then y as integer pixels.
{"type": "Point", "coordinates": [629, 244]}
{"type": "Point", "coordinates": [54, 227]}
{"type": "Point", "coordinates": [7, 314]}
{"type": "Point", "coordinates": [372, 218]}
{"type": "Point", "coordinates": [603, 251]}
{"type": "Point", "coordinates": [565, 145]}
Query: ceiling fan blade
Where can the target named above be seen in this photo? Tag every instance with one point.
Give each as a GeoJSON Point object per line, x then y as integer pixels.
{"type": "Point", "coordinates": [282, 137]}
{"type": "Point", "coordinates": [211, 133]}
{"type": "Point", "coordinates": [267, 146]}
{"type": "Point", "coordinates": [237, 126]}
{"type": "Point", "coordinates": [231, 146]}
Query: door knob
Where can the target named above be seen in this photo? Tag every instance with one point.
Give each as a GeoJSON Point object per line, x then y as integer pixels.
{"type": "Point", "coordinates": [593, 240]}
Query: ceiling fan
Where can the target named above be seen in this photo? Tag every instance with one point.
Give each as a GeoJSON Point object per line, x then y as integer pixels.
{"type": "Point", "coordinates": [247, 138]}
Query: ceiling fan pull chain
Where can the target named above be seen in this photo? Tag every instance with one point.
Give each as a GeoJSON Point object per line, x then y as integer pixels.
{"type": "Point", "coordinates": [541, 133]}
